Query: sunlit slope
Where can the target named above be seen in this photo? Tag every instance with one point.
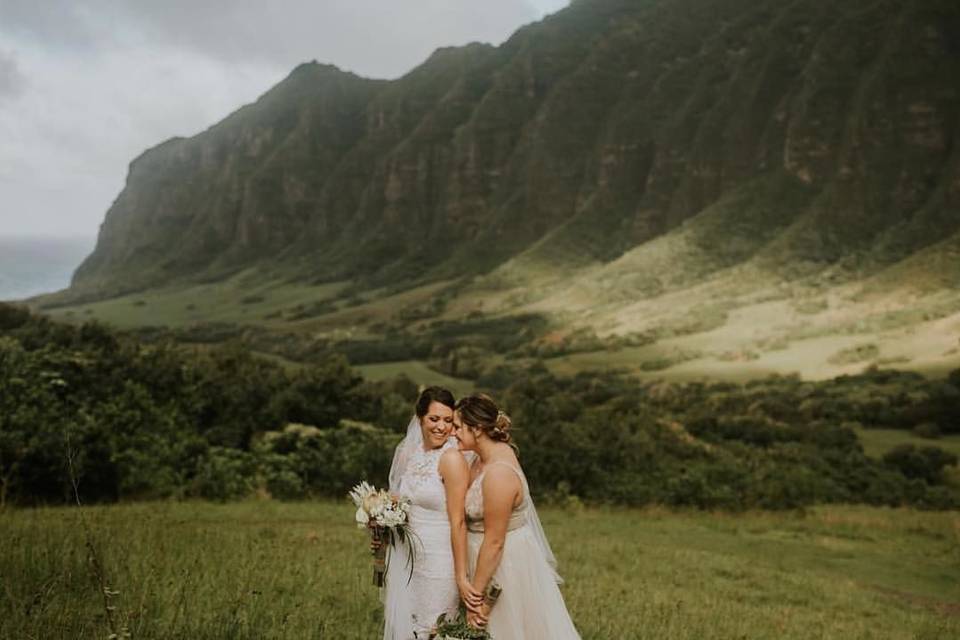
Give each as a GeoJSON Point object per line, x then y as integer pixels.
{"type": "Point", "coordinates": [717, 297]}
{"type": "Point", "coordinates": [720, 295]}
{"type": "Point", "coordinates": [694, 186]}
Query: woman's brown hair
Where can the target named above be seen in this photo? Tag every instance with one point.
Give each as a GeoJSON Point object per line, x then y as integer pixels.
{"type": "Point", "coordinates": [481, 412]}
{"type": "Point", "coordinates": [431, 395]}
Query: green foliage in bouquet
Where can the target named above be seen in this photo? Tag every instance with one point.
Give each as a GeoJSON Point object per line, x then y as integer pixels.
{"type": "Point", "coordinates": [458, 629]}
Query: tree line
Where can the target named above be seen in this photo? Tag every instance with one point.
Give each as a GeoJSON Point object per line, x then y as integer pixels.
{"type": "Point", "coordinates": [129, 419]}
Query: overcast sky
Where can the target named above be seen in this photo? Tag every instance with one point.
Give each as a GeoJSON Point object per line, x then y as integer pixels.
{"type": "Point", "coordinates": [87, 85]}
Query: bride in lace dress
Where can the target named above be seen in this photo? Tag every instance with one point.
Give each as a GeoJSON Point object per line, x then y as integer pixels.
{"type": "Point", "coordinates": [505, 540]}
{"type": "Point", "coordinates": [428, 469]}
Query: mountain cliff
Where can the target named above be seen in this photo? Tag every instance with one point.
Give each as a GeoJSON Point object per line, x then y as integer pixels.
{"type": "Point", "coordinates": [594, 131]}
{"type": "Point", "coordinates": [746, 185]}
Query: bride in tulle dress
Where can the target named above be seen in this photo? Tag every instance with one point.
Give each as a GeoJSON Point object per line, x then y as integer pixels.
{"type": "Point", "coordinates": [430, 471]}
{"type": "Point", "coordinates": [505, 540]}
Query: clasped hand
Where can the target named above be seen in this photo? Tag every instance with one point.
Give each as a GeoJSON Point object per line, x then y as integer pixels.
{"type": "Point", "coordinates": [479, 619]}
{"type": "Point", "coordinates": [473, 601]}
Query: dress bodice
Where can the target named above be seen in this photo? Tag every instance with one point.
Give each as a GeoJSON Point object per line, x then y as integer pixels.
{"type": "Point", "coordinates": [474, 501]}
{"type": "Point", "coordinates": [421, 481]}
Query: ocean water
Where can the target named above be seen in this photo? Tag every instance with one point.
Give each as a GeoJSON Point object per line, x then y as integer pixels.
{"type": "Point", "coordinates": [34, 265]}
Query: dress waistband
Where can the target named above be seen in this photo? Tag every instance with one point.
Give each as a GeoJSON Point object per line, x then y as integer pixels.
{"type": "Point", "coordinates": [517, 520]}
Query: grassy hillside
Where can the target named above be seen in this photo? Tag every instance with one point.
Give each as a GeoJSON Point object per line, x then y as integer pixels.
{"type": "Point", "coordinates": [798, 135]}
{"type": "Point", "coordinates": [671, 308]}
{"type": "Point", "coordinates": [273, 570]}
{"type": "Point", "coordinates": [693, 188]}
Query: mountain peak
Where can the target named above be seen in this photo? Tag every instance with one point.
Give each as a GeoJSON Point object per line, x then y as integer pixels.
{"type": "Point", "coordinates": [313, 67]}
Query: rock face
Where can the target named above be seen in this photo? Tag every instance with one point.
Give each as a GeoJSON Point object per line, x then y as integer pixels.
{"type": "Point", "coordinates": [595, 130]}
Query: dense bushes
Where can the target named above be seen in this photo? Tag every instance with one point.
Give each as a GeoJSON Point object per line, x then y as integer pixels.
{"type": "Point", "coordinates": [297, 462]}
{"type": "Point", "coordinates": [883, 398]}
{"type": "Point", "coordinates": [924, 463]}
{"type": "Point", "coordinates": [151, 420]}
{"type": "Point", "coordinates": [303, 460]}
{"type": "Point", "coordinates": [159, 420]}
{"type": "Point", "coordinates": [767, 444]}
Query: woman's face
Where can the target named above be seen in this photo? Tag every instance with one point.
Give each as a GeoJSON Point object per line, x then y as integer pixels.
{"type": "Point", "coordinates": [463, 433]}
{"type": "Point", "coordinates": [436, 425]}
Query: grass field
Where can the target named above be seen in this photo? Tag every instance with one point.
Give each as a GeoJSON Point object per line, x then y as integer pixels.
{"type": "Point", "coordinates": [241, 299]}
{"type": "Point", "coordinates": [274, 570]}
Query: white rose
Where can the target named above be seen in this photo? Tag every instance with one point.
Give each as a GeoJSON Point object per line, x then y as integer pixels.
{"type": "Point", "coordinates": [361, 517]}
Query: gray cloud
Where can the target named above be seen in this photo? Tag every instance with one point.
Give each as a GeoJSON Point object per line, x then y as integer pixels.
{"type": "Point", "coordinates": [95, 82]}
{"type": "Point", "coordinates": [382, 38]}
{"type": "Point", "coordinates": [12, 82]}
{"type": "Point", "coordinates": [55, 24]}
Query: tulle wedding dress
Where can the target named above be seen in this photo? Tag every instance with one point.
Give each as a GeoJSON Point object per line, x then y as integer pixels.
{"type": "Point", "coordinates": [412, 604]}
{"type": "Point", "coordinates": [530, 606]}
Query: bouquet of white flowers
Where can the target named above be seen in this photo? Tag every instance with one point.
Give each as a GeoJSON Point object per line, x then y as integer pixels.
{"type": "Point", "coordinates": [385, 516]}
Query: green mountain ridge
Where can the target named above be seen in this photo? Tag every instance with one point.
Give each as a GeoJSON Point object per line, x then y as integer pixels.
{"type": "Point", "coordinates": [620, 167]}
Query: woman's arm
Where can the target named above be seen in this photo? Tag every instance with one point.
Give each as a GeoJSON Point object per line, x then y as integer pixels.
{"type": "Point", "coordinates": [456, 476]}
{"type": "Point", "coordinates": [500, 489]}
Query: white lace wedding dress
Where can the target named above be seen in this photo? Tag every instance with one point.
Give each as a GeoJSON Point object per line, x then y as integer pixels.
{"type": "Point", "coordinates": [530, 606]}
{"type": "Point", "coordinates": [411, 608]}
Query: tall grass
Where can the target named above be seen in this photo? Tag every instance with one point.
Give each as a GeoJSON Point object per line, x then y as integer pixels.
{"type": "Point", "coordinates": [274, 570]}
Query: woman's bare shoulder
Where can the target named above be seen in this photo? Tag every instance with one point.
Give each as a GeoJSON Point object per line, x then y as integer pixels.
{"type": "Point", "coordinates": [454, 460]}
{"type": "Point", "coordinates": [504, 473]}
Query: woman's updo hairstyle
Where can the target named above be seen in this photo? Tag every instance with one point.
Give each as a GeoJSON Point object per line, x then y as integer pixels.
{"type": "Point", "coordinates": [431, 395]}
{"type": "Point", "coordinates": [481, 412]}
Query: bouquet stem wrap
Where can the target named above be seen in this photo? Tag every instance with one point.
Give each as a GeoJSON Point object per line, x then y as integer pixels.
{"type": "Point", "coordinates": [379, 555]}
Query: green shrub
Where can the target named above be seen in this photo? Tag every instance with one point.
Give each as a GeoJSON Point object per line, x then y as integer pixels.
{"type": "Point", "coordinates": [304, 460]}
{"type": "Point", "coordinates": [280, 476]}
{"type": "Point", "coordinates": [928, 430]}
{"type": "Point", "coordinates": [225, 474]}
{"type": "Point", "coordinates": [924, 463]}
